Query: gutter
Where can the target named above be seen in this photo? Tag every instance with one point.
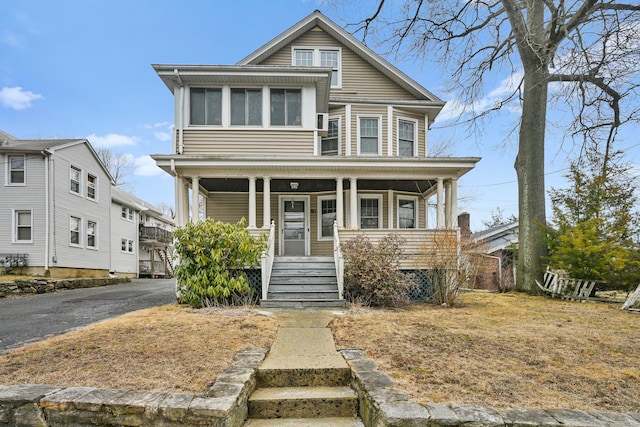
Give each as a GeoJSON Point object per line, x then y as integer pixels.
{"type": "Point", "coordinates": [46, 154]}
{"type": "Point", "coordinates": [180, 115]}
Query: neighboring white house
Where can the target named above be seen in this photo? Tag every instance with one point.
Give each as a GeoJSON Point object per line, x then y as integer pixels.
{"type": "Point", "coordinates": [54, 207]}
{"type": "Point", "coordinates": [62, 216]}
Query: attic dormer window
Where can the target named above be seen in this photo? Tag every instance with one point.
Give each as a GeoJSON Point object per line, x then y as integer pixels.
{"type": "Point", "coordinates": [320, 57]}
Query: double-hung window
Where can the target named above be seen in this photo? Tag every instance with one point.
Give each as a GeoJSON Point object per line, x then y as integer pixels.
{"type": "Point", "coordinates": [286, 107]}
{"type": "Point", "coordinates": [17, 168]}
{"type": "Point", "coordinates": [92, 232]}
{"type": "Point", "coordinates": [126, 245]}
{"type": "Point", "coordinates": [331, 142]}
{"type": "Point", "coordinates": [74, 179]}
{"type": "Point", "coordinates": [369, 135]}
{"type": "Point", "coordinates": [75, 225]}
{"type": "Point", "coordinates": [407, 209]}
{"type": "Point", "coordinates": [92, 186]}
{"type": "Point", "coordinates": [370, 212]}
{"type": "Point", "coordinates": [328, 211]}
{"type": "Point", "coordinates": [206, 107]}
{"type": "Point", "coordinates": [23, 226]}
{"type": "Point", "coordinates": [320, 57]}
{"type": "Point", "coordinates": [406, 138]}
{"type": "Point", "coordinates": [246, 107]}
{"type": "Point", "coordinates": [127, 213]}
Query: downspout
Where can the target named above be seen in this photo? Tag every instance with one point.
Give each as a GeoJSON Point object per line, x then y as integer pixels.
{"type": "Point", "coordinates": [180, 113]}
{"type": "Point", "coordinates": [46, 153]}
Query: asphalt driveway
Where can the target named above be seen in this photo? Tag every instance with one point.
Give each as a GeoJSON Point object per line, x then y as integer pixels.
{"type": "Point", "coordinates": [29, 319]}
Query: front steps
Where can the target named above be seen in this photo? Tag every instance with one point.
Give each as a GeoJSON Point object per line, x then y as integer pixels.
{"type": "Point", "coordinates": [298, 282]}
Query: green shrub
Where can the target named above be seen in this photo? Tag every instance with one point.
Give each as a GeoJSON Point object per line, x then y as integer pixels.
{"type": "Point", "coordinates": [212, 257]}
{"type": "Point", "coordinates": [372, 275]}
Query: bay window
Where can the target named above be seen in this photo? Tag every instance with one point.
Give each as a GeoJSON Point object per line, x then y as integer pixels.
{"type": "Point", "coordinates": [369, 135]}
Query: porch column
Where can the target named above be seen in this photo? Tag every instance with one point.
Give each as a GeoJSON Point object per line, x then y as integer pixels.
{"type": "Point", "coordinates": [447, 204]}
{"type": "Point", "coordinates": [266, 202]}
{"type": "Point", "coordinates": [195, 196]}
{"type": "Point", "coordinates": [178, 197]}
{"type": "Point", "coordinates": [353, 202]}
{"type": "Point", "coordinates": [252, 202]}
{"type": "Point", "coordinates": [454, 204]}
{"type": "Point", "coordinates": [339, 203]}
{"type": "Point", "coordinates": [439, 205]}
{"type": "Point", "coordinates": [185, 200]}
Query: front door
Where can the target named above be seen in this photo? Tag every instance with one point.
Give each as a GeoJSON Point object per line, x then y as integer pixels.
{"type": "Point", "coordinates": [294, 226]}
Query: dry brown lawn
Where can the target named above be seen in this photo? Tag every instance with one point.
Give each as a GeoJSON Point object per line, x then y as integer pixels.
{"type": "Point", "coordinates": [499, 350]}
{"type": "Point", "coordinates": [505, 350]}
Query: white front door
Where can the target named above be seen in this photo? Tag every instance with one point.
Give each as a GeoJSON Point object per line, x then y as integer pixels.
{"type": "Point", "coordinates": [294, 226]}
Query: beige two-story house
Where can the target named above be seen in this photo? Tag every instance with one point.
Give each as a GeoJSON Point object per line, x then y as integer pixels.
{"type": "Point", "coordinates": [313, 138]}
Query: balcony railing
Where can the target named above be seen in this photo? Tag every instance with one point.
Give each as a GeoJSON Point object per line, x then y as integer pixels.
{"type": "Point", "coordinates": [152, 268]}
{"type": "Point", "coordinates": [155, 233]}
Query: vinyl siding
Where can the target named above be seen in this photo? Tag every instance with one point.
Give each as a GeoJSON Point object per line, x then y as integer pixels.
{"type": "Point", "coordinates": [220, 142]}
{"type": "Point", "coordinates": [420, 141]}
{"type": "Point", "coordinates": [359, 78]}
{"type": "Point", "coordinates": [123, 262]}
{"type": "Point", "coordinates": [372, 111]}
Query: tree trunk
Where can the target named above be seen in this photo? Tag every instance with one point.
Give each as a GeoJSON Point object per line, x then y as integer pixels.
{"type": "Point", "coordinates": [529, 167]}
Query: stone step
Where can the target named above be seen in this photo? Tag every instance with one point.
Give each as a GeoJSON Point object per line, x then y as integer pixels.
{"type": "Point", "coordinates": [303, 377]}
{"type": "Point", "coordinates": [301, 303]}
{"type": "Point", "coordinates": [303, 402]}
{"type": "Point", "coordinates": [309, 422]}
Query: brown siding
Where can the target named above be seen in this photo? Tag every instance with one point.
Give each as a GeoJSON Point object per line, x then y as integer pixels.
{"type": "Point", "coordinates": [248, 142]}
{"type": "Point", "coordinates": [359, 78]}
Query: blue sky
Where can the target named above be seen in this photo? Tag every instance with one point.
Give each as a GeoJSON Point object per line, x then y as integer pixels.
{"type": "Point", "coordinates": [82, 69]}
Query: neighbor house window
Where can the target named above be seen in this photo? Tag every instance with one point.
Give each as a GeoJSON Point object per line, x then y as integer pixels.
{"type": "Point", "coordinates": [246, 107]}
{"type": "Point", "coordinates": [16, 173]}
{"type": "Point", "coordinates": [286, 107]}
{"type": "Point", "coordinates": [127, 213]}
{"type": "Point", "coordinates": [406, 138]}
{"type": "Point", "coordinates": [370, 212]}
{"type": "Point", "coordinates": [126, 245]}
{"type": "Point", "coordinates": [74, 230]}
{"type": "Point", "coordinates": [92, 230]}
{"type": "Point", "coordinates": [369, 135]}
{"type": "Point", "coordinates": [74, 179]}
{"type": "Point", "coordinates": [23, 226]}
{"type": "Point", "coordinates": [320, 57]}
{"type": "Point", "coordinates": [407, 212]}
{"type": "Point", "coordinates": [331, 142]}
{"type": "Point", "coordinates": [92, 182]}
{"type": "Point", "coordinates": [327, 216]}
{"type": "Point", "coordinates": [206, 107]}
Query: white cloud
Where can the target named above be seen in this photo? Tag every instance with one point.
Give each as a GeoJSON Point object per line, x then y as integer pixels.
{"type": "Point", "coordinates": [112, 140]}
{"type": "Point", "coordinates": [146, 166]}
{"type": "Point", "coordinates": [162, 136]}
{"type": "Point", "coordinates": [16, 98]}
{"type": "Point", "coordinates": [11, 39]}
{"type": "Point", "coordinates": [161, 131]}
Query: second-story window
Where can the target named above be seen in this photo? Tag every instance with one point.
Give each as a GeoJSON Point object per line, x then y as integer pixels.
{"type": "Point", "coordinates": [369, 135]}
{"type": "Point", "coordinates": [74, 179]}
{"type": "Point", "coordinates": [330, 143]}
{"type": "Point", "coordinates": [16, 170]}
{"type": "Point", "coordinates": [246, 107]}
{"type": "Point", "coordinates": [206, 107]}
{"type": "Point", "coordinates": [286, 107]}
{"type": "Point", "coordinates": [92, 182]}
{"type": "Point", "coordinates": [406, 138]}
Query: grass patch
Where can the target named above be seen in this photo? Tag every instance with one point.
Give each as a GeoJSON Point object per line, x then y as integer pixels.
{"type": "Point", "coordinates": [505, 350]}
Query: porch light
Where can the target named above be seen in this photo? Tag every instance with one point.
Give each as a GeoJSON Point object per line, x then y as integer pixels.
{"type": "Point", "coordinates": [294, 185]}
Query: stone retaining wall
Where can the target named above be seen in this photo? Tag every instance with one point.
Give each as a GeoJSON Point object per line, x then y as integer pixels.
{"type": "Point", "coordinates": [46, 285]}
{"type": "Point", "coordinates": [224, 405]}
{"type": "Point", "coordinates": [381, 405]}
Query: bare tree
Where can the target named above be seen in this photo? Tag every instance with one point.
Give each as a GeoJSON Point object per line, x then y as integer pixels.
{"type": "Point", "coordinates": [119, 166]}
{"type": "Point", "coordinates": [589, 46]}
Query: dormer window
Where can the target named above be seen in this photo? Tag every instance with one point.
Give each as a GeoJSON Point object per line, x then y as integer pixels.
{"type": "Point", "coordinates": [319, 57]}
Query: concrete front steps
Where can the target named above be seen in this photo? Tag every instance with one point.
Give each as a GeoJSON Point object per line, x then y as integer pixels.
{"type": "Point", "coordinates": [299, 282]}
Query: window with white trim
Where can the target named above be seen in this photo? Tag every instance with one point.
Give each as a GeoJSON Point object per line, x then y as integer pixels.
{"type": "Point", "coordinates": [127, 213]}
{"type": "Point", "coordinates": [74, 179]}
{"type": "Point", "coordinates": [126, 245]}
{"type": "Point", "coordinates": [407, 212]}
{"type": "Point", "coordinates": [369, 136]}
{"type": "Point", "coordinates": [327, 208]}
{"type": "Point", "coordinates": [407, 137]}
{"type": "Point", "coordinates": [75, 226]}
{"type": "Point", "coordinates": [320, 57]}
{"type": "Point", "coordinates": [330, 144]}
{"type": "Point", "coordinates": [246, 107]}
{"type": "Point", "coordinates": [205, 107]}
{"type": "Point", "coordinates": [370, 211]}
{"type": "Point", "coordinates": [286, 107]}
{"type": "Point", "coordinates": [16, 170]}
{"type": "Point", "coordinates": [92, 233]}
{"type": "Point", "coordinates": [92, 187]}
{"type": "Point", "coordinates": [23, 226]}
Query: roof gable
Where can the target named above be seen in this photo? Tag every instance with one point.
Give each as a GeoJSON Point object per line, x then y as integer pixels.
{"type": "Point", "coordinates": [317, 19]}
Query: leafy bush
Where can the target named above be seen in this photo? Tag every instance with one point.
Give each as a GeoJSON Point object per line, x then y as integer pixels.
{"type": "Point", "coordinates": [372, 275]}
{"type": "Point", "coordinates": [212, 258]}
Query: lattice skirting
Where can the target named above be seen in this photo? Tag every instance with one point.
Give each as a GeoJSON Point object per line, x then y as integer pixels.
{"type": "Point", "coordinates": [424, 289]}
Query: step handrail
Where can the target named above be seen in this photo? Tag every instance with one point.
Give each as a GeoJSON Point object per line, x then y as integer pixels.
{"type": "Point", "coordinates": [338, 260]}
{"type": "Point", "coordinates": [266, 262]}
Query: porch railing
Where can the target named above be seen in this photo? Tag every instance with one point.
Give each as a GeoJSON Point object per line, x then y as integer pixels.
{"type": "Point", "coordinates": [266, 263]}
{"type": "Point", "coordinates": [339, 260]}
{"type": "Point", "coordinates": [155, 233]}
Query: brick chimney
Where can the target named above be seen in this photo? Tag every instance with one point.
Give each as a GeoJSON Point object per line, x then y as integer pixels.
{"type": "Point", "coordinates": [464, 224]}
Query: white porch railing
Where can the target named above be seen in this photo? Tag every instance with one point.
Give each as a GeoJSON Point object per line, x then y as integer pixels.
{"type": "Point", "coordinates": [339, 260]}
{"type": "Point", "coordinates": [266, 263]}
